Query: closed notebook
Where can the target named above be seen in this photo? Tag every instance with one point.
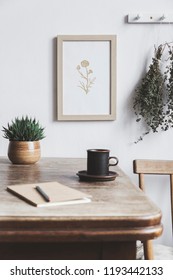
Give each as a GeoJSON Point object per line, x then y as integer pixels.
{"type": "Point", "coordinates": [59, 194]}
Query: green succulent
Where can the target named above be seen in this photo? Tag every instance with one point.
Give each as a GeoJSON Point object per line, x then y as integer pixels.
{"type": "Point", "coordinates": [23, 129]}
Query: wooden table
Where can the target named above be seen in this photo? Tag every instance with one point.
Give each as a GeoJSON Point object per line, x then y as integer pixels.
{"type": "Point", "coordinates": [106, 228]}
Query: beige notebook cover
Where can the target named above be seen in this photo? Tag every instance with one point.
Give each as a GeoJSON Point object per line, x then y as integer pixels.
{"type": "Point", "coordinates": [59, 194]}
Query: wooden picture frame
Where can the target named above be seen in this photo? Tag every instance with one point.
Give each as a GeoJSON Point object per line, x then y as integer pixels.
{"type": "Point", "coordinates": [86, 77]}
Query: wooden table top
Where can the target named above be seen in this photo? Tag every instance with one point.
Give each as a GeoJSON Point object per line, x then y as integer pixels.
{"type": "Point", "coordinates": [117, 207]}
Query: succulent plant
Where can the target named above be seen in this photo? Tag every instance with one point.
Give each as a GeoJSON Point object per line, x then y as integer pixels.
{"type": "Point", "coordinates": [23, 129]}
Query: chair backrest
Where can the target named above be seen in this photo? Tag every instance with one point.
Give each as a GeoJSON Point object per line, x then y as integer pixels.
{"type": "Point", "coordinates": [162, 167]}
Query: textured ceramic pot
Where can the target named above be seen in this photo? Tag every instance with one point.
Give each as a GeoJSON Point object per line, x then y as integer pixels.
{"type": "Point", "coordinates": [24, 152]}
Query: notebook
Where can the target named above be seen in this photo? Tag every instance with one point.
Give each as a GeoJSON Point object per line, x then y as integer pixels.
{"type": "Point", "coordinates": [59, 194]}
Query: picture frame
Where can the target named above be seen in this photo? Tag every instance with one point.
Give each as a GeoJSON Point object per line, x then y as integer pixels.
{"type": "Point", "coordinates": [86, 77]}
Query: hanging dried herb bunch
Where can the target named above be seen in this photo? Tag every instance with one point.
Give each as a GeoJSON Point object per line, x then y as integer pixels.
{"type": "Point", "coordinates": [169, 87]}
{"type": "Point", "coordinates": [153, 102]}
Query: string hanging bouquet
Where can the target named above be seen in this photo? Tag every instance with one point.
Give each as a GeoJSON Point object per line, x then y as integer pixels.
{"type": "Point", "coordinates": [153, 102]}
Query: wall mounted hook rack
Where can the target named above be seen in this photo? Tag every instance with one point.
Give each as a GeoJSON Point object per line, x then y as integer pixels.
{"type": "Point", "coordinates": [150, 18]}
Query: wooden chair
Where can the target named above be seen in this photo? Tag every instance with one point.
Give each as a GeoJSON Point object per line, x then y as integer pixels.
{"type": "Point", "coordinates": [162, 167]}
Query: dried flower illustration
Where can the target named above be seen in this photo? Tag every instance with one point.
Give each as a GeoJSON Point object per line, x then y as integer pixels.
{"type": "Point", "coordinates": [85, 74]}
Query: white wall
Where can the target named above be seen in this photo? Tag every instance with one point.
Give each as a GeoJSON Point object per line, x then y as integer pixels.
{"type": "Point", "coordinates": [28, 29]}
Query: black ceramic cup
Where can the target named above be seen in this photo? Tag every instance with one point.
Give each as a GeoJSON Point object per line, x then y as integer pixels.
{"type": "Point", "coordinates": [98, 162]}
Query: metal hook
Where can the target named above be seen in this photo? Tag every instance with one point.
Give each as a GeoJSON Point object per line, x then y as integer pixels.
{"type": "Point", "coordinates": [137, 17]}
{"type": "Point", "coordinates": [163, 17]}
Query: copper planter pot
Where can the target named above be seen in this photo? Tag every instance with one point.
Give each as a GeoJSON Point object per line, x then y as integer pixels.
{"type": "Point", "coordinates": [24, 152]}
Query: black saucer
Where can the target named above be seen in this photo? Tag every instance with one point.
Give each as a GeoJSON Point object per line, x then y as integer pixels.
{"type": "Point", "coordinates": [86, 177]}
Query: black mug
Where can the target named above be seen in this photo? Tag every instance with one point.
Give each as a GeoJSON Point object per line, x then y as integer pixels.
{"type": "Point", "coordinates": [98, 162]}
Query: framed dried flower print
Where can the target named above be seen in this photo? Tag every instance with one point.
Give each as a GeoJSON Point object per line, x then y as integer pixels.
{"type": "Point", "coordinates": [86, 77]}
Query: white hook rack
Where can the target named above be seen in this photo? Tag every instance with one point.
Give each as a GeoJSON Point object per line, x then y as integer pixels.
{"type": "Point", "coordinates": [150, 18]}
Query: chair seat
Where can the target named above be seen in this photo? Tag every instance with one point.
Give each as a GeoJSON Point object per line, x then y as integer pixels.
{"type": "Point", "coordinates": [162, 252]}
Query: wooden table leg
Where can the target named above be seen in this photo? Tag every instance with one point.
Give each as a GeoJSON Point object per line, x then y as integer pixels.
{"type": "Point", "coordinates": [148, 250]}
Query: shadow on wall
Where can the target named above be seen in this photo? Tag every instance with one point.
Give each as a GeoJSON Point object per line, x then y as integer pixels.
{"type": "Point", "coordinates": [129, 114]}
{"type": "Point", "coordinates": [54, 79]}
